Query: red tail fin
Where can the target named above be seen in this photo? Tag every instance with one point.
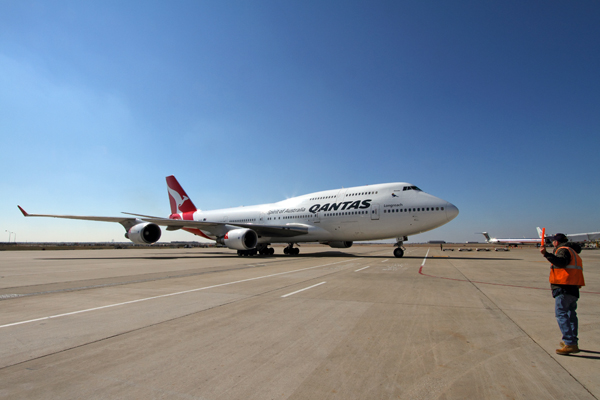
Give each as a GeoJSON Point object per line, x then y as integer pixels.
{"type": "Point", "coordinates": [180, 201]}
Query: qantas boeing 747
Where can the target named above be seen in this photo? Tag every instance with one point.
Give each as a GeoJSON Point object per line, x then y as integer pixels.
{"type": "Point", "coordinates": [333, 217]}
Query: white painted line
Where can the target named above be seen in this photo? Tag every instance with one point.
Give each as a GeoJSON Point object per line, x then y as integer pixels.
{"type": "Point", "coordinates": [384, 260]}
{"type": "Point", "coordinates": [167, 295]}
{"type": "Point", "coordinates": [368, 266]}
{"type": "Point", "coordinates": [425, 259]}
{"type": "Point", "coordinates": [302, 290]}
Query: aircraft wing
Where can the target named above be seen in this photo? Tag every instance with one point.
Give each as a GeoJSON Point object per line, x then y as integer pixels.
{"type": "Point", "coordinates": [219, 228]}
{"type": "Point", "coordinates": [576, 237]}
{"type": "Point", "coordinates": [263, 230]}
{"type": "Point", "coordinates": [583, 237]}
{"type": "Point", "coordinates": [276, 230]}
{"type": "Point", "coordinates": [120, 220]}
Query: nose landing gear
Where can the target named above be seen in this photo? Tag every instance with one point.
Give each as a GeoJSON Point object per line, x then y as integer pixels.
{"type": "Point", "coordinates": [399, 250]}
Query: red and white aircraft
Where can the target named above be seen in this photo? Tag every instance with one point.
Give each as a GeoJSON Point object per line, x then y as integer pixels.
{"type": "Point", "coordinates": [333, 217]}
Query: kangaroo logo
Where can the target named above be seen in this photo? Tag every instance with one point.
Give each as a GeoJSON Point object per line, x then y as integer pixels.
{"type": "Point", "coordinates": [177, 197]}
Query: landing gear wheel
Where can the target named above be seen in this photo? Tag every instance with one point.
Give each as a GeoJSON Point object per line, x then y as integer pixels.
{"type": "Point", "coordinates": [291, 250]}
{"type": "Point", "coordinates": [247, 253]}
{"type": "Point", "coordinates": [267, 251]}
{"type": "Point", "coordinates": [398, 252]}
{"type": "Point", "coordinates": [264, 250]}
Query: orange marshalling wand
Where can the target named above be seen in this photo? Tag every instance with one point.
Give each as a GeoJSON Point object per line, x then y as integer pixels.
{"type": "Point", "coordinates": [543, 235]}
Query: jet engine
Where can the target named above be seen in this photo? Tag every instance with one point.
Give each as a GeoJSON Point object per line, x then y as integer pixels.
{"type": "Point", "coordinates": [240, 239]}
{"type": "Point", "coordinates": [339, 245]}
{"type": "Point", "coordinates": [144, 233]}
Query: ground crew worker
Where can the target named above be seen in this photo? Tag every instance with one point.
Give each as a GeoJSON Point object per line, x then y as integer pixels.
{"type": "Point", "coordinates": [566, 277]}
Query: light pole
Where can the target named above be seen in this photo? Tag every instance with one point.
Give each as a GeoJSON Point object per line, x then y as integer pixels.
{"type": "Point", "coordinates": [9, 233]}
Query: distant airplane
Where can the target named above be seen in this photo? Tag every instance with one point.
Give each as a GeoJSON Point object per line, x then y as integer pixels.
{"type": "Point", "coordinates": [333, 217]}
{"type": "Point", "coordinates": [577, 237]}
{"type": "Point", "coordinates": [573, 237]}
{"type": "Point", "coordinates": [510, 241]}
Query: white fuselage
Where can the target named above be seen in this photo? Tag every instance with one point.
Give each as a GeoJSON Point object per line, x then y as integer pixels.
{"type": "Point", "coordinates": [372, 212]}
{"type": "Point", "coordinates": [514, 241]}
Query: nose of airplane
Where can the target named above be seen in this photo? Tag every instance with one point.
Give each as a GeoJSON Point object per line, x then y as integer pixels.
{"type": "Point", "coordinates": [451, 211]}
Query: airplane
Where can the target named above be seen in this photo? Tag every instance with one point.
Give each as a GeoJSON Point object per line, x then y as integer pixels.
{"type": "Point", "coordinates": [332, 217]}
{"type": "Point", "coordinates": [574, 237]}
{"type": "Point", "coordinates": [512, 242]}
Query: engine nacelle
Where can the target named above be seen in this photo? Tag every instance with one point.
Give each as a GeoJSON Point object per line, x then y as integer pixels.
{"type": "Point", "coordinates": [340, 245]}
{"type": "Point", "coordinates": [144, 233]}
{"type": "Point", "coordinates": [240, 239]}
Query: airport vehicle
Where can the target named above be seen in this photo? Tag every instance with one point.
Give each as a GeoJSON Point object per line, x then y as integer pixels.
{"type": "Point", "coordinates": [332, 217]}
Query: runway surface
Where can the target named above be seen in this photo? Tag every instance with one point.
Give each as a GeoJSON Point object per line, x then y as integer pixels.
{"type": "Point", "coordinates": [352, 324]}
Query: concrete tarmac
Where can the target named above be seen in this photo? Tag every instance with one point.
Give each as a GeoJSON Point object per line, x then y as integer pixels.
{"type": "Point", "coordinates": [351, 324]}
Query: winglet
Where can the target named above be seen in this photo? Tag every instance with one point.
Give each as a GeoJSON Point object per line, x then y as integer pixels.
{"type": "Point", "coordinates": [23, 211]}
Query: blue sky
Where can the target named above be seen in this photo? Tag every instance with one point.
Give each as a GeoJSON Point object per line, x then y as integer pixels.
{"type": "Point", "coordinates": [491, 105]}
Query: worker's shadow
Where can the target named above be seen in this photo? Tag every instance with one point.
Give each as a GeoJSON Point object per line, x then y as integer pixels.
{"type": "Point", "coordinates": [580, 355]}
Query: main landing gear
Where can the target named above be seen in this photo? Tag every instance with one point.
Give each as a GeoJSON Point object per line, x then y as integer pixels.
{"type": "Point", "coordinates": [291, 250]}
{"type": "Point", "coordinates": [247, 253]}
{"type": "Point", "coordinates": [399, 250]}
{"type": "Point", "coordinates": [261, 249]}
{"type": "Point", "coordinates": [265, 251]}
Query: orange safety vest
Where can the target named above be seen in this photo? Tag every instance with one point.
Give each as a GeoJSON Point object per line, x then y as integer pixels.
{"type": "Point", "coordinates": [572, 274]}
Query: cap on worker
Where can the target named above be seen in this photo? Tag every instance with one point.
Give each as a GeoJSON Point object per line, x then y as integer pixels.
{"type": "Point", "coordinates": [560, 238]}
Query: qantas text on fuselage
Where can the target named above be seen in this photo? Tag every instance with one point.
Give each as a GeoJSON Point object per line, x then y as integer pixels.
{"type": "Point", "coordinates": [333, 217]}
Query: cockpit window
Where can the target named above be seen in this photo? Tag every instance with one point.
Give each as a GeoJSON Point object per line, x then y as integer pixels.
{"type": "Point", "coordinates": [411, 188]}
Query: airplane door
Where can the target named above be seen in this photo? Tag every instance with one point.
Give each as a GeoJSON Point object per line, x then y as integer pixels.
{"type": "Point", "coordinates": [374, 211]}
